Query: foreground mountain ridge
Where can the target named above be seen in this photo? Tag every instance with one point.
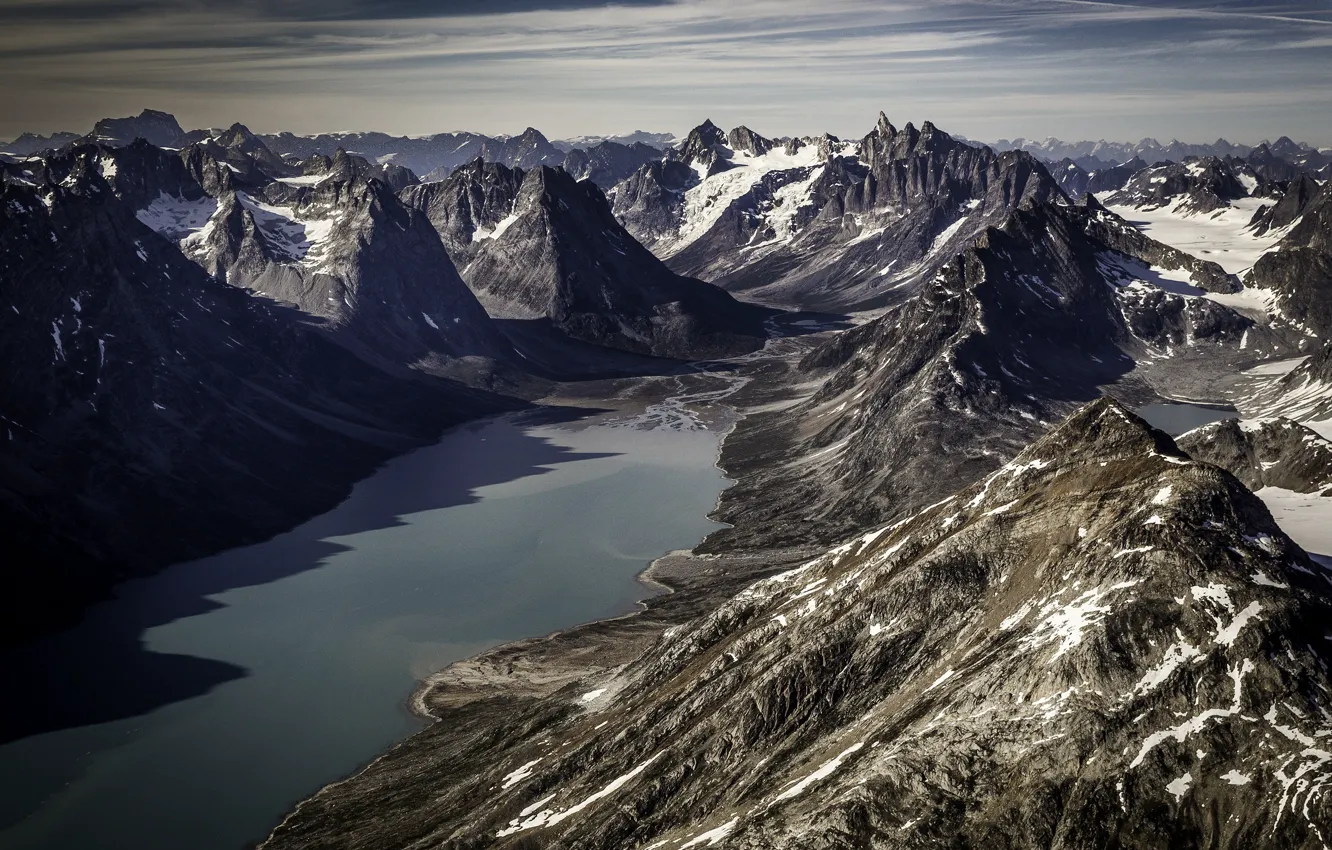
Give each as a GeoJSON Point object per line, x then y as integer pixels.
{"type": "Point", "coordinates": [1103, 643]}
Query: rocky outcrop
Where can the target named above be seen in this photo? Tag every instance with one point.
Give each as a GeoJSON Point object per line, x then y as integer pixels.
{"type": "Point", "coordinates": [1299, 271]}
{"type": "Point", "coordinates": [1103, 643]}
{"type": "Point", "coordinates": [1266, 453]}
{"type": "Point", "coordinates": [539, 245]}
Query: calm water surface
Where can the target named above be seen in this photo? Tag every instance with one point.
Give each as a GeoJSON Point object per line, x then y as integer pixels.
{"type": "Point", "coordinates": [1176, 418]}
{"type": "Point", "coordinates": [194, 709]}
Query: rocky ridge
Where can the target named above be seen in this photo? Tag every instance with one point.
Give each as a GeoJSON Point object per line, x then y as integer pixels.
{"type": "Point", "coordinates": [1103, 643]}
{"type": "Point", "coordinates": [1039, 315]}
{"type": "Point", "coordinates": [540, 245]}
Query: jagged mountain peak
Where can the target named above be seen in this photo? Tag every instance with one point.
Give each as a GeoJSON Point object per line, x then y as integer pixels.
{"type": "Point", "coordinates": [885, 127]}
{"type": "Point", "coordinates": [706, 134]}
{"type": "Point", "coordinates": [744, 139]}
{"type": "Point", "coordinates": [541, 245]}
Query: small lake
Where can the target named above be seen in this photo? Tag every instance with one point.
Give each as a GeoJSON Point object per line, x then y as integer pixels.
{"type": "Point", "coordinates": [197, 707]}
{"type": "Point", "coordinates": [1176, 418]}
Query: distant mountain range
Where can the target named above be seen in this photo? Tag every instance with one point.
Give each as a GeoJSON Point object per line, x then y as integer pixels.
{"type": "Point", "coordinates": [603, 159]}
{"type": "Point", "coordinates": [1100, 154]}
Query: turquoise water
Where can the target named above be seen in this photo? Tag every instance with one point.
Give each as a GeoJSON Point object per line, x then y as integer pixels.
{"type": "Point", "coordinates": [215, 695]}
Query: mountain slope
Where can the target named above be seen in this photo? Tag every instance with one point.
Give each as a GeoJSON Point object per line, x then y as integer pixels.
{"type": "Point", "coordinates": [336, 243]}
{"type": "Point", "coordinates": [1037, 316]}
{"type": "Point", "coordinates": [153, 414]}
{"type": "Point", "coordinates": [539, 245]}
{"type": "Point", "coordinates": [1266, 453]}
{"type": "Point", "coordinates": [1103, 644]}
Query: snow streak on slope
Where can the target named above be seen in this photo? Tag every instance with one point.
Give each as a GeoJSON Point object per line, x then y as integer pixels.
{"type": "Point", "coordinates": [301, 241]}
{"type": "Point", "coordinates": [176, 218]}
{"type": "Point", "coordinates": [706, 202]}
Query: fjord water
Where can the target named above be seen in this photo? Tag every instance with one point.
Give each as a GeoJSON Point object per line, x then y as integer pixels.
{"type": "Point", "coordinates": [199, 705]}
{"type": "Point", "coordinates": [1178, 417]}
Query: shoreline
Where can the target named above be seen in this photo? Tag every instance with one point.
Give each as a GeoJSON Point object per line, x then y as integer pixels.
{"type": "Point", "coordinates": [650, 577]}
{"type": "Point", "coordinates": [473, 692]}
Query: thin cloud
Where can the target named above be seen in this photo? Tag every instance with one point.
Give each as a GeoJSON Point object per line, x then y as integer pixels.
{"type": "Point", "coordinates": [985, 68]}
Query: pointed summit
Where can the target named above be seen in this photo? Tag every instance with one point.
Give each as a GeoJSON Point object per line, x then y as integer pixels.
{"type": "Point", "coordinates": [885, 127]}
{"type": "Point", "coordinates": [744, 139]}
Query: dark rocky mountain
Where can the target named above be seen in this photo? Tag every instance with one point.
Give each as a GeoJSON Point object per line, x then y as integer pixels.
{"type": "Point", "coordinates": [350, 167]}
{"type": "Point", "coordinates": [1113, 179]}
{"type": "Point", "coordinates": [157, 128]}
{"type": "Point", "coordinates": [539, 245]}
{"type": "Point", "coordinates": [239, 139]}
{"type": "Point", "coordinates": [1267, 453]}
{"type": "Point", "coordinates": [1295, 198]}
{"type": "Point", "coordinates": [31, 143]}
{"type": "Point", "coordinates": [1304, 157]}
{"type": "Point", "coordinates": [525, 150]}
{"type": "Point", "coordinates": [819, 222]}
{"type": "Point", "coordinates": [660, 141]}
{"type": "Point", "coordinates": [1071, 177]}
{"type": "Point", "coordinates": [1053, 150]}
{"type": "Point", "coordinates": [1271, 167]}
{"type": "Point", "coordinates": [1196, 186]}
{"type": "Point", "coordinates": [152, 413]}
{"type": "Point", "coordinates": [604, 161]}
{"type": "Point", "coordinates": [1104, 643]}
{"type": "Point", "coordinates": [1040, 314]}
{"type": "Point", "coordinates": [421, 155]}
{"type": "Point", "coordinates": [1299, 271]}
{"type": "Point", "coordinates": [608, 163]}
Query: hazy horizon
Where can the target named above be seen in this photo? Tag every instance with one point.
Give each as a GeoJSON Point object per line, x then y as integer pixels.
{"type": "Point", "coordinates": [985, 69]}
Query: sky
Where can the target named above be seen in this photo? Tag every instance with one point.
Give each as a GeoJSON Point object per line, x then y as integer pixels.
{"type": "Point", "coordinates": [985, 69]}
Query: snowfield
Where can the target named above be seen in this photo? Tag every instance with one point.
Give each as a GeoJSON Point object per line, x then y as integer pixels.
{"type": "Point", "coordinates": [1222, 236]}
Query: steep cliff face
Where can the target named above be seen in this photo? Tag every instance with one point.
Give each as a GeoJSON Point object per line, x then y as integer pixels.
{"type": "Point", "coordinates": [1298, 272]}
{"type": "Point", "coordinates": [540, 245]}
{"type": "Point", "coordinates": [1267, 453]}
{"type": "Point", "coordinates": [1103, 643]}
{"type": "Point", "coordinates": [152, 413]}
